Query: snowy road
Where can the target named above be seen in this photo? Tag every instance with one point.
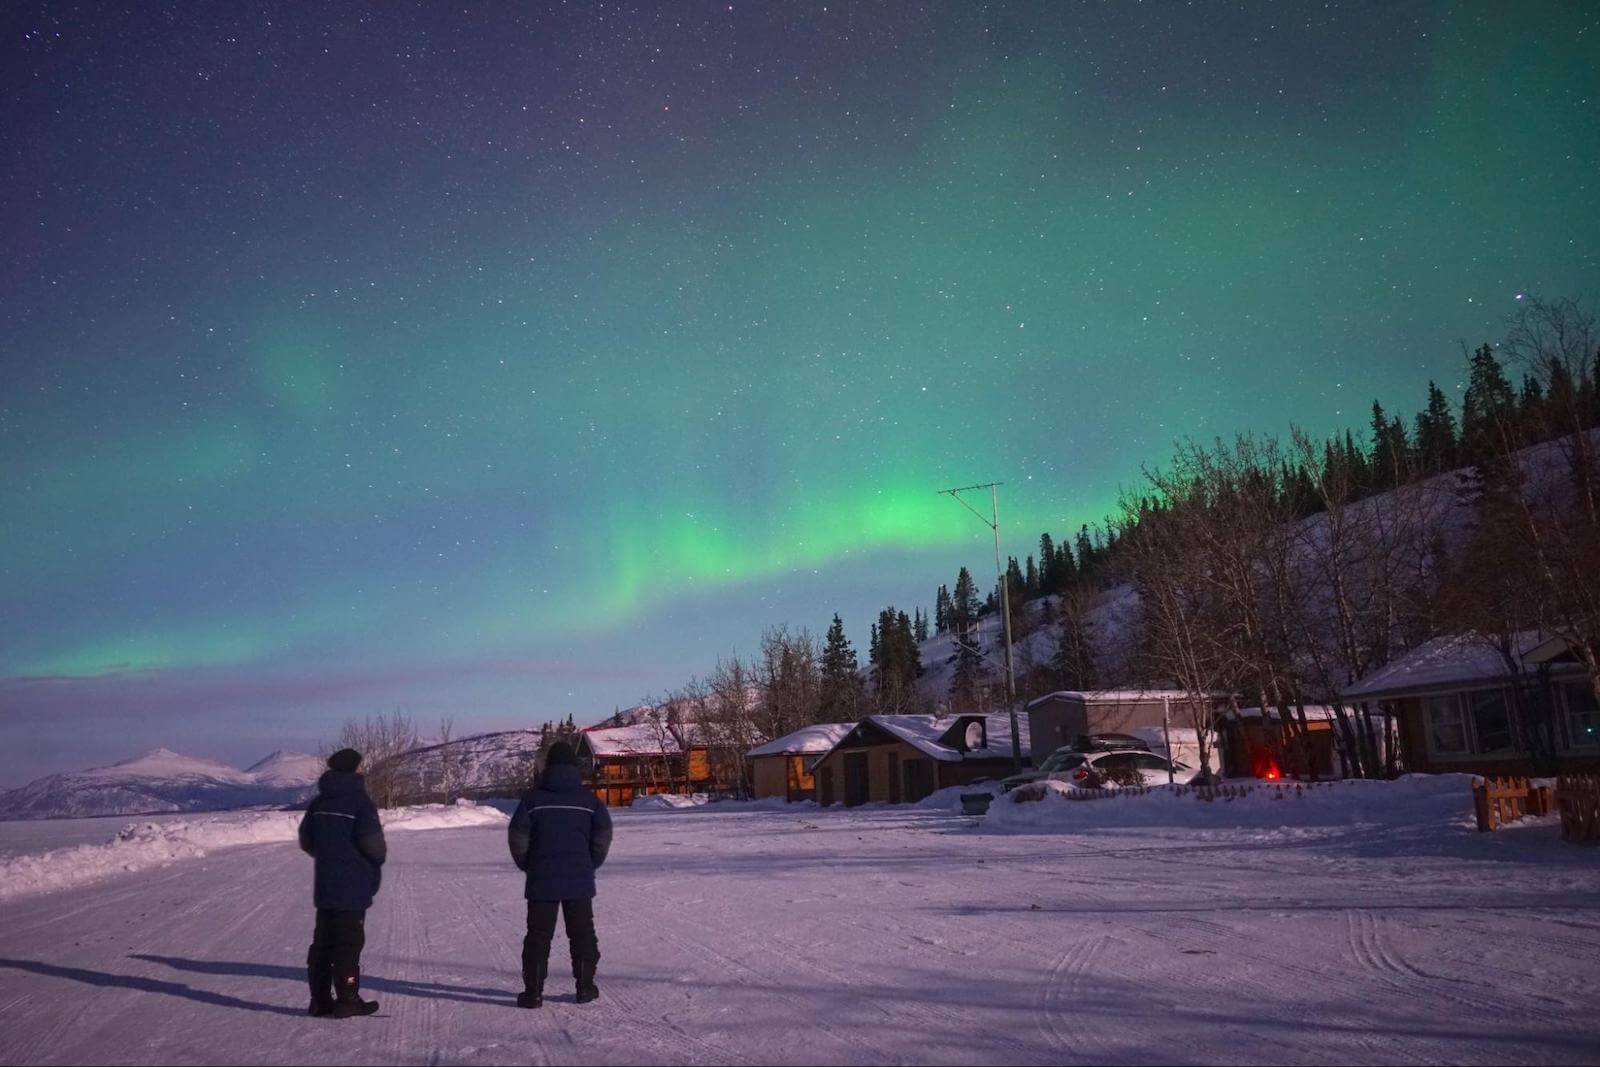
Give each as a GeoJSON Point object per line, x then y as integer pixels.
{"type": "Point", "coordinates": [877, 936]}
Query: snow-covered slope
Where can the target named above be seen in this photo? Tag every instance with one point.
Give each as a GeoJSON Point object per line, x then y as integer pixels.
{"type": "Point", "coordinates": [163, 780]}
{"type": "Point", "coordinates": [289, 769]}
{"type": "Point", "coordinates": [1416, 518]}
{"type": "Point", "coordinates": [487, 765]}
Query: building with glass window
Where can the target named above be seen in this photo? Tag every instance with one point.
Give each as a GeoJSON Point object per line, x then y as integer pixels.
{"type": "Point", "coordinates": [1486, 705]}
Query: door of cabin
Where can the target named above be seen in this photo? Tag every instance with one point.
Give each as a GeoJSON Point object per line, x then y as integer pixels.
{"type": "Point", "coordinates": [894, 777]}
{"type": "Point", "coordinates": [919, 779]}
{"type": "Point", "coordinates": [855, 779]}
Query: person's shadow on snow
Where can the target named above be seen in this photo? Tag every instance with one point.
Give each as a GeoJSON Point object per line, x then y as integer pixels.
{"type": "Point", "coordinates": [377, 983]}
{"type": "Point", "coordinates": [107, 980]}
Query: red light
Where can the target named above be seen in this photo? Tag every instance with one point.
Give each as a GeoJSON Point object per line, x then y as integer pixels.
{"type": "Point", "coordinates": [1264, 765]}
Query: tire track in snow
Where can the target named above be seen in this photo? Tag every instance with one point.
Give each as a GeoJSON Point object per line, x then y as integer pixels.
{"type": "Point", "coordinates": [1060, 990]}
{"type": "Point", "coordinates": [1371, 938]}
{"type": "Point", "coordinates": [697, 946]}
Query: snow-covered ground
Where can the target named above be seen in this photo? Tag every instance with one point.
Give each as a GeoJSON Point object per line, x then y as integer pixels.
{"type": "Point", "coordinates": [161, 841]}
{"type": "Point", "coordinates": [892, 935]}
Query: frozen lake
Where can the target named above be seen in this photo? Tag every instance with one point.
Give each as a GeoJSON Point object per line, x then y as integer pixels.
{"type": "Point", "coordinates": [885, 936]}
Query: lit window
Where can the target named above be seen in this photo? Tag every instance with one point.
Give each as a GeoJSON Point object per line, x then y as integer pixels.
{"type": "Point", "coordinates": [1447, 728]}
{"type": "Point", "coordinates": [1583, 715]}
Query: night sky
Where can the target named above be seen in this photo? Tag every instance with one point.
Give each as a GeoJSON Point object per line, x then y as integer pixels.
{"type": "Point", "coordinates": [514, 361]}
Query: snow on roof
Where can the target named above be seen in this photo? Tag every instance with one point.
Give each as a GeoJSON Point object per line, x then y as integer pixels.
{"type": "Point", "coordinates": [1456, 660]}
{"type": "Point", "coordinates": [1314, 713]}
{"type": "Point", "coordinates": [640, 739]}
{"type": "Point", "coordinates": [925, 733]}
{"type": "Point", "coordinates": [1110, 696]}
{"type": "Point", "coordinates": [808, 740]}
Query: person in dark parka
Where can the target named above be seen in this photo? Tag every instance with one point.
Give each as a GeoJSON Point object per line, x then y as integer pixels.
{"type": "Point", "coordinates": [559, 835]}
{"type": "Point", "coordinates": [341, 831]}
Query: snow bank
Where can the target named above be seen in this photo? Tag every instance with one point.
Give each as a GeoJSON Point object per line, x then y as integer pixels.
{"type": "Point", "coordinates": [155, 844]}
{"type": "Point", "coordinates": [949, 798]}
{"type": "Point", "coordinates": [669, 802]}
{"type": "Point", "coordinates": [702, 802]}
{"type": "Point", "coordinates": [1416, 799]}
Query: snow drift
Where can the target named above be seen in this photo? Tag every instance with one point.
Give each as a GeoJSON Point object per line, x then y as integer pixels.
{"type": "Point", "coordinates": [140, 845]}
{"type": "Point", "coordinates": [1444, 800]}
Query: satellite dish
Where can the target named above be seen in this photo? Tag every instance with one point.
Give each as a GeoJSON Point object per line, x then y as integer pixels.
{"type": "Point", "coordinates": [975, 735]}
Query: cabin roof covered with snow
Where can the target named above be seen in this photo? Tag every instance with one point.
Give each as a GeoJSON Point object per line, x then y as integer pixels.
{"type": "Point", "coordinates": [640, 739]}
{"type": "Point", "coordinates": [1110, 696]}
{"type": "Point", "coordinates": [1458, 660]}
{"type": "Point", "coordinates": [810, 740]}
{"type": "Point", "coordinates": [1314, 713]}
{"type": "Point", "coordinates": [930, 734]}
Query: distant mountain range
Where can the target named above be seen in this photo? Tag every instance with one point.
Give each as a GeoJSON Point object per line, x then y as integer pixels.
{"type": "Point", "coordinates": [165, 781]}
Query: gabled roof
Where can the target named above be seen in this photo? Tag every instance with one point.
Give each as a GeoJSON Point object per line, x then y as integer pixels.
{"type": "Point", "coordinates": [807, 741]}
{"type": "Point", "coordinates": [640, 739]}
{"type": "Point", "coordinates": [1457, 661]}
{"type": "Point", "coordinates": [927, 734]}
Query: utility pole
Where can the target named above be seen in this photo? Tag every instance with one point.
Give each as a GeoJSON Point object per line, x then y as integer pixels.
{"type": "Point", "coordinates": [993, 522]}
{"type": "Point", "coordinates": [1166, 732]}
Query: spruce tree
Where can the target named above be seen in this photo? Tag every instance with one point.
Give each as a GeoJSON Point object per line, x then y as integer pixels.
{"type": "Point", "coordinates": [1064, 571]}
{"type": "Point", "coordinates": [1047, 564]}
{"type": "Point", "coordinates": [1030, 576]}
{"type": "Point", "coordinates": [839, 688]}
{"type": "Point", "coordinates": [963, 603]}
{"type": "Point", "coordinates": [1086, 553]}
{"type": "Point", "coordinates": [921, 626]}
{"type": "Point", "coordinates": [1436, 433]}
{"type": "Point", "coordinates": [1488, 409]}
{"type": "Point", "coordinates": [1382, 458]}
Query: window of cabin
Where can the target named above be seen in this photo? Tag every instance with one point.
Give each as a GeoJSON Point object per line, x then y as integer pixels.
{"type": "Point", "coordinates": [1491, 720]}
{"type": "Point", "coordinates": [1583, 714]}
{"type": "Point", "coordinates": [1447, 727]}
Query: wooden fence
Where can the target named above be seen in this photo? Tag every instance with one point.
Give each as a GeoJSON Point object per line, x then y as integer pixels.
{"type": "Point", "coordinates": [1578, 796]}
{"type": "Point", "coordinates": [1497, 801]}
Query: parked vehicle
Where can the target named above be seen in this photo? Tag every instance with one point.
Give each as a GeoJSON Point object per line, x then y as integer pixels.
{"type": "Point", "coordinates": [1108, 743]}
{"type": "Point", "coordinates": [1057, 760]}
{"type": "Point", "coordinates": [1069, 757]}
{"type": "Point", "coordinates": [1096, 770]}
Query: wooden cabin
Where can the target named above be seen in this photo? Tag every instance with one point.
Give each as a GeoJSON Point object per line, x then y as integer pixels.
{"type": "Point", "coordinates": [1059, 719]}
{"type": "Point", "coordinates": [1253, 743]}
{"type": "Point", "coordinates": [782, 768]}
{"type": "Point", "coordinates": [1483, 706]}
{"type": "Point", "coordinates": [899, 759]}
{"type": "Point", "coordinates": [624, 762]}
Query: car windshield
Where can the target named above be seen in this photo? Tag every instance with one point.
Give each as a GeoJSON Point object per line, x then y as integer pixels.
{"type": "Point", "coordinates": [1061, 761]}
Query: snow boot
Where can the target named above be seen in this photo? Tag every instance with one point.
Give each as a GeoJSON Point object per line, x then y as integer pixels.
{"type": "Point", "coordinates": [320, 977]}
{"type": "Point", "coordinates": [532, 995]}
{"type": "Point", "coordinates": [348, 1003]}
{"type": "Point", "coordinates": [583, 971]}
